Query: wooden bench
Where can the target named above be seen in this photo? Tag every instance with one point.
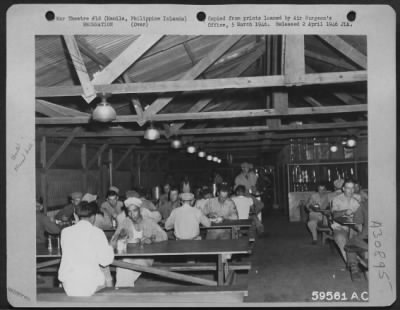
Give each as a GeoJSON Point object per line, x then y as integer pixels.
{"type": "Point", "coordinates": [160, 294]}
{"type": "Point", "coordinates": [178, 267]}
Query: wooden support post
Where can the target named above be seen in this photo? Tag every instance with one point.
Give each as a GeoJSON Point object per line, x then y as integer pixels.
{"type": "Point", "coordinates": [110, 166]}
{"type": "Point", "coordinates": [43, 173]}
{"type": "Point", "coordinates": [84, 167]}
{"type": "Point", "coordinates": [138, 168]}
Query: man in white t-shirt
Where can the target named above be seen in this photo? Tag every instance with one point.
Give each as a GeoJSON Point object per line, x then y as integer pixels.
{"type": "Point", "coordinates": [84, 248]}
{"type": "Point", "coordinates": [243, 203]}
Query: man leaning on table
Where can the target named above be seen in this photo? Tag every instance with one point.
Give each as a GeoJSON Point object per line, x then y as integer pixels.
{"type": "Point", "coordinates": [221, 207]}
{"type": "Point", "coordinates": [186, 219]}
{"type": "Point", "coordinates": [67, 213]}
{"type": "Point", "coordinates": [84, 248]}
{"type": "Point", "coordinates": [345, 204]}
{"type": "Point", "coordinates": [135, 229]}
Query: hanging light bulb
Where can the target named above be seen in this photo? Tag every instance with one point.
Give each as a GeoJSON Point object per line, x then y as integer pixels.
{"type": "Point", "coordinates": [191, 149]}
{"type": "Point", "coordinates": [351, 142]}
{"type": "Point", "coordinates": [219, 161]}
{"type": "Point", "coordinates": [104, 112]}
{"type": "Point", "coordinates": [151, 133]}
{"type": "Point", "coordinates": [176, 143]}
{"type": "Point", "coordinates": [333, 148]}
{"type": "Point", "coordinates": [201, 154]}
{"type": "Point", "coordinates": [209, 157]}
{"type": "Point", "coordinates": [215, 158]}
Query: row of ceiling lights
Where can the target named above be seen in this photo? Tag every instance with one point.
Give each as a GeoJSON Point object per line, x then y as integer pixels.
{"type": "Point", "coordinates": [152, 133]}
{"type": "Point", "coordinates": [104, 112]}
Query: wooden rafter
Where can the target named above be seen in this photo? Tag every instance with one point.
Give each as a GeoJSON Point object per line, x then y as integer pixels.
{"type": "Point", "coordinates": [124, 156]}
{"type": "Point", "coordinates": [245, 64]}
{"type": "Point", "coordinates": [118, 132]}
{"type": "Point", "coordinates": [89, 92]}
{"type": "Point", "coordinates": [126, 59]}
{"type": "Point", "coordinates": [196, 71]}
{"type": "Point", "coordinates": [315, 103]}
{"type": "Point", "coordinates": [62, 148]}
{"type": "Point", "coordinates": [346, 49]}
{"type": "Point", "coordinates": [337, 62]}
{"type": "Point", "coordinates": [97, 155]}
{"type": "Point", "coordinates": [209, 84]}
{"type": "Point", "coordinates": [214, 115]}
{"type": "Point", "coordinates": [55, 110]}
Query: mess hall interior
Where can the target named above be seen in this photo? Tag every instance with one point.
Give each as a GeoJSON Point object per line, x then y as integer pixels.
{"type": "Point", "coordinates": [174, 168]}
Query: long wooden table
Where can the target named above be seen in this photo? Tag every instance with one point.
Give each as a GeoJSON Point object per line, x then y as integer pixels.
{"type": "Point", "coordinates": [219, 248]}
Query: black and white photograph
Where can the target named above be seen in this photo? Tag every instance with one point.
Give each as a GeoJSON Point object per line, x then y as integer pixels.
{"type": "Point", "coordinates": [203, 168]}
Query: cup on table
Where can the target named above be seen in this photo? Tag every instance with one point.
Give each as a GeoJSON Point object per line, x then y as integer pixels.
{"type": "Point", "coordinates": [121, 245]}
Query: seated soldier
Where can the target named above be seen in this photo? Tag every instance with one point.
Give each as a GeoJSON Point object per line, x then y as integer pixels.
{"type": "Point", "coordinates": [221, 208]}
{"type": "Point", "coordinates": [111, 207]}
{"type": "Point", "coordinates": [67, 214]}
{"type": "Point", "coordinates": [346, 204]}
{"type": "Point", "coordinates": [242, 202]}
{"type": "Point", "coordinates": [44, 224]}
{"type": "Point", "coordinates": [148, 209]}
{"type": "Point", "coordinates": [186, 219]}
{"type": "Point", "coordinates": [84, 249]}
{"type": "Point", "coordinates": [139, 230]}
{"type": "Point", "coordinates": [166, 207]}
{"type": "Point", "coordinates": [358, 245]}
{"type": "Point", "coordinates": [204, 195]}
{"type": "Point", "coordinates": [317, 201]}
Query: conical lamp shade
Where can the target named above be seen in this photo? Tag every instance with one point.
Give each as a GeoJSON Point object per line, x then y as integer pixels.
{"type": "Point", "coordinates": [104, 112]}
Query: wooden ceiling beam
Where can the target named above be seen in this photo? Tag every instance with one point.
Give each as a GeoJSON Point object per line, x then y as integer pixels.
{"type": "Point", "coordinates": [55, 110]}
{"type": "Point", "coordinates": [168, 117]}
{"type": "Point", "coordinates": [208, 85]}
{"type": "Point", "coordinates": [316, 103]}
{"type": "Point", "coordinates": [117, 132]}
{"type": "Point", "coordinates": [126, 59]}
{"type": "Point", "coordinates": [89, 92]}
{"type": "Point", "coordinates": [346, 49]}
{"type": "Point", "coordinates": [195, 72]}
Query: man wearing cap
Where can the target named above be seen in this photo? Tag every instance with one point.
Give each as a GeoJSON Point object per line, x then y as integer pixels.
{"type": "Point", "coordinates": [147, 207]}
{"type": "Point", "coordinates": [246, 178]}
{"type": "Point", "coordinates": [221, 207]}
{"type": "Point", "coordinates": [347, 204]}
{"type": "Point", "coordinates": [111, 207]}
{"type": "Point", "coordinates": [138, 230]}
{"type": "Point", "coordinates": [67, 214]}
{"type": "Point", "coordinates": [84, 249]}
{"type": "Point", "coordinates": [186, 219]}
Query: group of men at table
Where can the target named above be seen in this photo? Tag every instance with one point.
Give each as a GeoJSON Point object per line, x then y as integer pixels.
{"type": "Point", "coordinates": [348, 201]}
{"type": "Point", "coordinates": [86, 252]}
